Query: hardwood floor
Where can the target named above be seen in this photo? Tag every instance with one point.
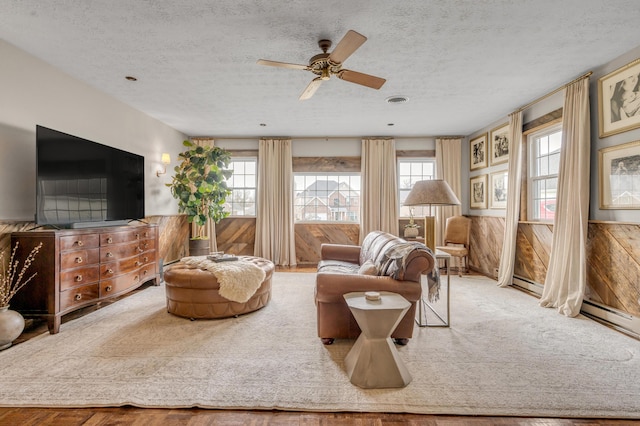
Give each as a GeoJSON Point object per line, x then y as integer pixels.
{"type": "Point", "coordinates": [194, 416]}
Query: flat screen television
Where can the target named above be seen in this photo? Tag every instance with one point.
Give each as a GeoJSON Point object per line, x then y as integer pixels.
{"type": "Point", "coordinates": [81, 183]}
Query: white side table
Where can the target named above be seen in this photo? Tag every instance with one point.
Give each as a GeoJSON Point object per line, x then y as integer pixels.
{"type": "Point", "coordinates": [373, 361]}
{"type": "Point", "coordinates": [423, 303]}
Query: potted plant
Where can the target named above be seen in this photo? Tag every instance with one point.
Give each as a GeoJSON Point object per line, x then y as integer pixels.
{"type": "Point", "coordinates": [12, 279]}
{"type": "Point", "coordinates": [411, 229]}
{"type": "Point", "coordinates": [199, 185]}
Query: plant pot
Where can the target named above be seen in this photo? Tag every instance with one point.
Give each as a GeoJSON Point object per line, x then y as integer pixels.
{"type": "Point", "coordinates": [411, 232]}
{"type": "Point", "coordinates": [11, 326]}
{"type": "Point", "coordinates": [199, 247]}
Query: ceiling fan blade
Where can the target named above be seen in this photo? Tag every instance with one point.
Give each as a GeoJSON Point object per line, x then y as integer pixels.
{"type": "Point", "coordinates": [311, 89]}
{"type": "Point", "coordinates": [282, 64]}
{"type": "Point", "coordinates": [363, 79]}
{"type": "Point", "coordinates": [349, 44]}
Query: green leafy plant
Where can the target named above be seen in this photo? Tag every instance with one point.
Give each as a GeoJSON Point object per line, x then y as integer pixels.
{"type": "Point", "coordinates": [199, 184]}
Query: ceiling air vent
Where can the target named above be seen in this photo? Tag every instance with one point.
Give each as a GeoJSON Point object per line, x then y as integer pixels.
{"type": "Point", "coordinates": [397, 99]}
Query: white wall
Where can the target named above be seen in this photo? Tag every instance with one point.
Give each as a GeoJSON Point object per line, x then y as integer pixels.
{"type": "Point", "coordinates": [33, 92]}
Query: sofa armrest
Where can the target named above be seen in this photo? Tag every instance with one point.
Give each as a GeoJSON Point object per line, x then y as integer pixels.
{"type": "Point", "coordinates": [344, 252]}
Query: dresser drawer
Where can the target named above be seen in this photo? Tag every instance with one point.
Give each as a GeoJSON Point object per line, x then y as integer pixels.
{"type": "Point", "coordinates": [119, 267]}
{"type": "Point", "coordinates": [146, 245]}
{"type": "Point", "coordinates": [120, 251]}
{"type": "Point", "coordinates": [78, 296]}
{"type": "Point", "coordinates": [79, 276]}
{"type": "Point", "coordinates": [72, 242]}
{"type": "Point", "coordinates": [77, 258]}
{"type": "Point", "coordinates": [110, 238]}
{"type": "Point", "coordinates": [120, 284]}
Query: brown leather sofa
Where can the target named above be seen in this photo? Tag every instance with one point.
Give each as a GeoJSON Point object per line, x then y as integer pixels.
{"type": "Point", "coordinates": [346, 268]}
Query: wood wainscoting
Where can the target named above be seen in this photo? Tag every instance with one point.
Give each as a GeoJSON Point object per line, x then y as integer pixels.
{"type": "Point", "coordinates": [613, 257]}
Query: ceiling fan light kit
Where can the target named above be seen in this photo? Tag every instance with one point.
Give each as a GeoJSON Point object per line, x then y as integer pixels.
{"type": "Point", "coordinates": [324, 65]}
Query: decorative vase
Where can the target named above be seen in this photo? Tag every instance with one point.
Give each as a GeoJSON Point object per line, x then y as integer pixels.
{"type": "Point", "coordinates": [11, 326]}
{"type": "Point", "coordinates": [198, 247]}
{"type": "Point", "coordinates": [411, 232]}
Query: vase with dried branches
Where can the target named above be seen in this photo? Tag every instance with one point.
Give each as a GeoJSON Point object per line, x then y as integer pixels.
{"type": "Point", "coordinates": [12, 279]}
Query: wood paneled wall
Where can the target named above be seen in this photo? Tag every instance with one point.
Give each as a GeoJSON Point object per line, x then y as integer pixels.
{"type": "Point", "coordinates": [613, 257]}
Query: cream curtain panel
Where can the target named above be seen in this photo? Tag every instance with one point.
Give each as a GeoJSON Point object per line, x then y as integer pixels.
{"type": "Point", "coordinates": [209, 228]}
{"type": "Point", "coordinates": [275, 236]}
{"type": "Point", "coordinates": [379, 195]}
{"type": "Point", "coordinates": [448, 162]}
{"type": "Point", "coordinates": [566, 279]}
{"type": "Point", "coordinates": [508, 254]}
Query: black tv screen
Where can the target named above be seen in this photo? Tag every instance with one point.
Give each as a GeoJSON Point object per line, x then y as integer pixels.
{"type": "Point", "coordinates": [81, 183]}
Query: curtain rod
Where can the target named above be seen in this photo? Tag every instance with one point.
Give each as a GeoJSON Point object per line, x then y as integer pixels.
{"type": "Point", "coordinates": [564, 86]}
{"type": "Point", "coordinates": [328, 137]}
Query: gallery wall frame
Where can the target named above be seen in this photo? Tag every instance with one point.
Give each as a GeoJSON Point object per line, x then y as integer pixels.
{"type": "Point", "coordinates": [619, 100]}
{"type": "Point", "coordinates": [498, 186]}
{"type": "Point", "coordinates": [478, 152]}
{"type": "Point", "coordinates": [619, 176]}
{"type": "Point", "coordinates": [478, 189]}
{"type": "Point", "coordinates": [500, 144]}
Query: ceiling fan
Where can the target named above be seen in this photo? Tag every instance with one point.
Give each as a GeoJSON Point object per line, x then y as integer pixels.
{"type": "Point", "coordinates": [324, 65]}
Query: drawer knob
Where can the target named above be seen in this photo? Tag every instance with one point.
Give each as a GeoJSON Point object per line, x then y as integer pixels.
{"type": "Point", "coordinates": [145, 272]}
{"type": "Point", "coordinates": [108, 288]}
{"type": "Point", "coordinates": [140, 250]}
{"type": "Point", "coordinates": [136, 278]}
{"type": "Point", "coordinates": [146, 234]}
{"type": "Point", "coordinates": [138, 263]}
{"type": "Point", "coordinates": [109, 271]}
{"type": "Point", "coordinates": [137, 236]}
{"type": "Point", "coordinates": [109, 254]}
{"type": "Point", "coordinates": [78, 278]}
{"type": "Point", "coordinates": [109, 240]}
{"type": "Point", "coordinates": [146, 259]}
{"type": "Point", "coordinates": [79, 260]}
{"type": "Point", "coordinates": [80, 243]}
{"type": "Point", "coordinates": [78, 296]}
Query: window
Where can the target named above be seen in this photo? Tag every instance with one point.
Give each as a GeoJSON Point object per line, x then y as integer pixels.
{"type": "Point", "coordinates": [544, 149]}
{"type": "Point", "coordinates": [411, 170]}
{"type": "Point", "coordinates": [242, 184]}
{"type": "Point", "coordinates": [327, 197]}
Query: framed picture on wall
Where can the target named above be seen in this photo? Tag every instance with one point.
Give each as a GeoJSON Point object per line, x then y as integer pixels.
{"type": "Point", "coordinates": [619, 176]}
{"type": "Point", "coordinates": [478, 154]}
{"type": "Point", "coordinates": [499, 142]}
{"type": "Point", "coordinates": [478, 192]}
{"type": "Point", "coordinates": [619, 100]}
{"type": "Point", "coordinates": [498, 182]}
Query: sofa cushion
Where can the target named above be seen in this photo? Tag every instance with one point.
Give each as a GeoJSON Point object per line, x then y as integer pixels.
{"type": "Point", "coordinates": [368, 268]}
{"type": "Point", "coordinates": [338, 267]}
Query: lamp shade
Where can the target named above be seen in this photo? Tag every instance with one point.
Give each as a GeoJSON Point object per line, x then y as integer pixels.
{"type": "Point", "coordinates": [431, 192]}
{"type": "Point", "coordinates": [166, 158]}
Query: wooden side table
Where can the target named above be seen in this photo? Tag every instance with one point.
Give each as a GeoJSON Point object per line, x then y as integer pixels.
{"type": "Point", "coordinates": [373, 361]}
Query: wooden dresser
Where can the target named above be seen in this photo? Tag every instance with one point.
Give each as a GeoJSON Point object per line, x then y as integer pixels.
{"type": "Point", "coordinates": [80, 267]}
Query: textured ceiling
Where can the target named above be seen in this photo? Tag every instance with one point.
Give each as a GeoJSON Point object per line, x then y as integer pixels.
{"type": "Point", "coordinates": [463, 64]}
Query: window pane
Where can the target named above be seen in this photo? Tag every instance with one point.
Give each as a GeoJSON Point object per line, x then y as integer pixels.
{"type": "Point", "coordinates": [544, 167]}
{"type": "Point", "coordinates": [327, 197]}
{"type": "Point", "coordinates": [410, 172]}
{"type": "Point", "coordinates": [243, 187]}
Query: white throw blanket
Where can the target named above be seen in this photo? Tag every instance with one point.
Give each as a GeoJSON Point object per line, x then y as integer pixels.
{"type": "Point", "coordinates": [238, 279]}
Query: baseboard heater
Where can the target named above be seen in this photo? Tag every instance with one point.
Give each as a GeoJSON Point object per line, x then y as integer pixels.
{"type": "Point", "coordinates": [619, 320]}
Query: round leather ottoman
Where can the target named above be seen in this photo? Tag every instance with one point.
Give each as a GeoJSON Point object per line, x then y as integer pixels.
{"type": "Point", "coordinates": [193, 292]}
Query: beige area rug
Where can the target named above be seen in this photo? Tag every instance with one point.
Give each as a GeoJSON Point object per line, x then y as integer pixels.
{"type": "Point", "coordinates": [503, 355]}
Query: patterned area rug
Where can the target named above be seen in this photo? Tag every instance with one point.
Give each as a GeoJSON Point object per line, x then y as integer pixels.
{"type": "Point", "coordinates": [502, 355]}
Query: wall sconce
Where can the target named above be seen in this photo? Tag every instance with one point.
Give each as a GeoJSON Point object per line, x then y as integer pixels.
{"type": "Point", "coordinates": [166, 159]}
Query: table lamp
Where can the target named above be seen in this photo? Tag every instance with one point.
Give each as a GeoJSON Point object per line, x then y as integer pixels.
{"type": "Point", "coordinates": [427, 193]}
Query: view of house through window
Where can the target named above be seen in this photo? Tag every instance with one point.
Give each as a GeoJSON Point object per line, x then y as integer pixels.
{"type": "Point", "coordinates": [544, 149]}
{"type": "Point", "coordinates": [411, 170]}
{"type": "Point", "coordinates": [242, 183]}
{"type": "Point", "coordinates": [327, 197]}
